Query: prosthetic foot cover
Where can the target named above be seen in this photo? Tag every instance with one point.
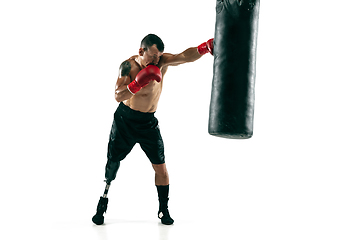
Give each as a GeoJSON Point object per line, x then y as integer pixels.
{"type": "Point", "coordinates": [98, 218]}
{"type": "Point", "coordinates": [163, 213]}
{"type": "Point", "coordinates": [232, 97]}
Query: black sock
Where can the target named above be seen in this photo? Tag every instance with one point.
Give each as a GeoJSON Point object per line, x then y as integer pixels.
{"type": "Point", "coordinates": [163, 193]}
{"type": "Point", "coordinates": [163, 214]}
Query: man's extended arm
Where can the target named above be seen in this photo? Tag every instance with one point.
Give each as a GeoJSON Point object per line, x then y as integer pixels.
{"type": "Point", "coordinates": [189, 55]}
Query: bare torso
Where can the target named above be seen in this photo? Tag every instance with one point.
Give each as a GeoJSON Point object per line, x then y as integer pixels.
{"type": "Point", "coordinates": [146, 100]}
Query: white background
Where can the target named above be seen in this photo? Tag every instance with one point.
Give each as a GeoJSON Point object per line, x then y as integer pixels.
{"type": "Point", "coordinates": [296, 178]}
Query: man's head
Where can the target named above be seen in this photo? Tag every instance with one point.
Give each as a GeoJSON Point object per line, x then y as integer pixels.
{"type": "Point", "coordinates": [151, 49]}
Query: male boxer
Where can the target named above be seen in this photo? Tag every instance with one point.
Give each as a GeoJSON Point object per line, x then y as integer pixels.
{"type": "Point", "coordinates": [138, 90]}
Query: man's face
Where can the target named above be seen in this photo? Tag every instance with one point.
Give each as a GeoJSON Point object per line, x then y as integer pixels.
{"type": "Point", "coordinates": [151, 56]}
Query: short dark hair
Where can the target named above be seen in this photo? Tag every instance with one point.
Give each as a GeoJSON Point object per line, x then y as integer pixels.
{"type": "Point", "coordinates": [150, 40]}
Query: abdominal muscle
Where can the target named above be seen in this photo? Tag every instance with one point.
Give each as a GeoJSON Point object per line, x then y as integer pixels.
{"type": "Point", "coordinates": [146, 100]}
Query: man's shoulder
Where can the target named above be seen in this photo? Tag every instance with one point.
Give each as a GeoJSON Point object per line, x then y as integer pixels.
{"type": "Point", "coordinates": [130, 62]}
{"type": "Point", "coordinates": [132, 59]}
{"type": "Point", "coordinates": [166, 56]}
{"type": "Point", "coordinates": [164, 60]}
{"type": "Point", "coordinates": [127, 66]}
{"type": "Point", "coordinates": [134, 64]}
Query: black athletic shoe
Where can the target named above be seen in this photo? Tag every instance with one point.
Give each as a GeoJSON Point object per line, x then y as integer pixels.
{"type": "Point", "coordinates": [164, 215]}
{"type": "Point", "coordinates": [98, 218]}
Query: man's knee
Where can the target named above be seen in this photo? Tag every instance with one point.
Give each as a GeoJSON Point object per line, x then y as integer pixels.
{"type": "Point", "coordinates": [160, 169]}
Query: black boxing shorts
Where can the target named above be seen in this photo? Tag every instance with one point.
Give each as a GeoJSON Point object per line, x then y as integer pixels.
{"type": "Point", "coordinates": [130, 127]}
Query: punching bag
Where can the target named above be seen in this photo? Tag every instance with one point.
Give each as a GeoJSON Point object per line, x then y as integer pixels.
{"type": "Point", "coordinates": [232, 98]}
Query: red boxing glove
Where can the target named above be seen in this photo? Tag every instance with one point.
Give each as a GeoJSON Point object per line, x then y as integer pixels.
{"type": "Point", "coordinates": [206, 47]}
{"type": "Point", "coordinates": [143, 78]}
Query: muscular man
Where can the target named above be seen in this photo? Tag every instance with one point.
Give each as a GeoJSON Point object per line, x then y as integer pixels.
{"type": "Point", "coordinates": [138, 90]}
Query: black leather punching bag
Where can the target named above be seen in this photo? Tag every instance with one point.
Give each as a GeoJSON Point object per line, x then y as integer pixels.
{"type": "Point", "coordinates": [232, 97]}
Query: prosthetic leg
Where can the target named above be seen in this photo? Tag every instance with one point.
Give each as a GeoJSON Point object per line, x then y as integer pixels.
{"type": "Point", "coordinates": [110, 174]}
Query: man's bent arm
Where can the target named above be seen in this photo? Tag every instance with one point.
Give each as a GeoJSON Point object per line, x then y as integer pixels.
{"type": "Point", "coordinates": [121, 91]}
